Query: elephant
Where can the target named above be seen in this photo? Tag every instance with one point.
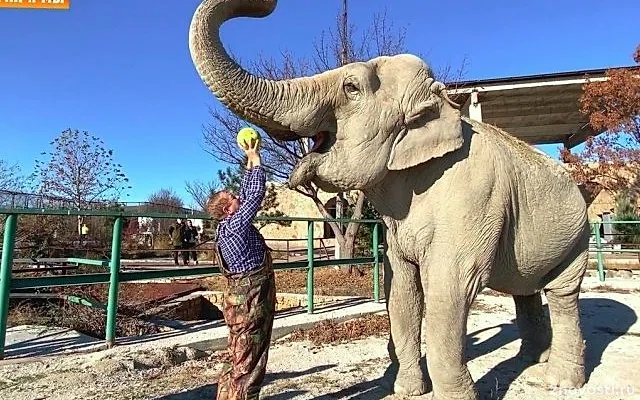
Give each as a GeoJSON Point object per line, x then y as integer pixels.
{"type": "Point", "coordinates": [466, 205]}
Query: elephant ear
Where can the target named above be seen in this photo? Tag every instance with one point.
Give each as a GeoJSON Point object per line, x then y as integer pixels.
{"type": "Point", "coordinates": [432, 129]}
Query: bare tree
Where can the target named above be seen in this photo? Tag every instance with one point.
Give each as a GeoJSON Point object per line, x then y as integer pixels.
{"type": "Point", "coordinates": [80, 169]}
{"type": "Point", "coordinates": [10, 177]}
{"type": "Point", "coordinates": [164, 201]}
{"type": "Point", "coordinates": [334, 48]}
{"type": "Point", "coordinates": [201, 191]}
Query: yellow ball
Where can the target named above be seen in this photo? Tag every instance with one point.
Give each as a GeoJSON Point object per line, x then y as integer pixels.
{"type": "Point", "coordinates": [246, 136]}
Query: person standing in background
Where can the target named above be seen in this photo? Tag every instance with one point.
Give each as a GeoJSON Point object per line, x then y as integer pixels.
{"type": "Point", "coordinates": [190, 241]}
{"type": "Point", "coordinates": [176, 232]}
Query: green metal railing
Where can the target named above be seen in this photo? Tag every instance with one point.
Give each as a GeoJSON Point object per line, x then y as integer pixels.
{"type": "Point", "coordinates": [600, 249]}
{"type": "Point", "coordinates": [5, 275]}
{"type": "Point", "coordinates": [115, 276]}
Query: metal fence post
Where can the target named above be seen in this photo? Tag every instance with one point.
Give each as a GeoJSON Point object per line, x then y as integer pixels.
{"type": "Point", "coordinates": [114, 282]}
{"type": "Point", "coordinates": [376, 264]}
{"type": "Point", "coordinates": [310, 267]}
{"type": "Point", "coordinates": [596, 229]}
{"type": "Point", "coordinates": [5, 275]}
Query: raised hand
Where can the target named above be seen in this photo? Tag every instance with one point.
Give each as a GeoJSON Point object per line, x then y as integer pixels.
{"type": "Point", "coordinates": [253, 153]}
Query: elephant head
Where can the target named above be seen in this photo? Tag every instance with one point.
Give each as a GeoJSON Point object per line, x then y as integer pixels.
{"type": "Point", "coordinates": [365, 118]}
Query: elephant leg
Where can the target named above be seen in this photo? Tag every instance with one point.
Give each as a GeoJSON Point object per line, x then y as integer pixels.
{"type": "Point", "coordinates": [565, 367]}
{"type": "Point", "coordinates": [534, 328]}
{"type": "Point", "coordinates": [447, 306]}
{"type": "Point", "coordinates": [405, 305]}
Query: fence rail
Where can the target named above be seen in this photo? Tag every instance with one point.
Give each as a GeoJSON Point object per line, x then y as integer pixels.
{"type": "Point", "coordinates": [115, 275]}
{"type": "Point", "coordinates": [600, 246]}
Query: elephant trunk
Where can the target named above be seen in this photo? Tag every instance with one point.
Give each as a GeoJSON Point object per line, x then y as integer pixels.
{"type": "Point", "coordinates": [280, 107]}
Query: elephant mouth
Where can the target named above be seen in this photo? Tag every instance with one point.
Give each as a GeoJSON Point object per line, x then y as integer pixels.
{"type": "Point", "coordinates": [322, 142]}
{"type": "Point", "coordinates": [307, 167]}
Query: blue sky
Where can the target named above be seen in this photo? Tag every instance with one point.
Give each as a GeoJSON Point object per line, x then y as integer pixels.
{"type": "Point", "coordinates": [121, 69]}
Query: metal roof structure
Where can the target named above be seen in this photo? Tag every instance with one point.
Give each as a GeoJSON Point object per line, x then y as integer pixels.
{"type": "Point", "coordinates": [539, 109]}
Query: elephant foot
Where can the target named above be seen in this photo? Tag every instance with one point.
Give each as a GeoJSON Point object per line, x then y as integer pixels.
{"type": "Point", "coordinates": [533, 354]}
{"type": "Point", "coordinates": [471, 394]}
{"type": "Point", "coordinates": [454, 387]}
{"type": "Point", "coordinates": [409, 387]}
{"type": "Point", "coordinates": [410, 383]}
{"type": "Point", "coordinates": [564, 374]}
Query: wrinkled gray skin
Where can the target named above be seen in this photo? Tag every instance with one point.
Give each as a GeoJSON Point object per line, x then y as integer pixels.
{"type": "Point", "coordinates": [467, 206]}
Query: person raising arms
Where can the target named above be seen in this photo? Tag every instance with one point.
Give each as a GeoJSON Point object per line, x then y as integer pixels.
{"type": "Point", "coordinates": [249, 298]}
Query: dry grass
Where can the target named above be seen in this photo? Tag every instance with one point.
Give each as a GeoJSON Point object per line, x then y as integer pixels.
{"type": "Point", "coordinates": [327, 282]}
{"type": "Point", "coordinates": [331, 332]}
{"type": "Point", "coordinates": [87, 320]}
{"type": "Point", "coordinates": [610, 289]}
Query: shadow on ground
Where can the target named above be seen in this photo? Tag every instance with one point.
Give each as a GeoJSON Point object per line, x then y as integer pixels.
{"type": "Point", "coordinates": [35, 341]}
{"type": "Point", "coordinates": [603, 321]}
{"type": "Point", "coordinates": [66, 341]}
{"type": "Point", "coordinates": [209, 391]}
{"type": "Point", "coordinates": [51, 344]}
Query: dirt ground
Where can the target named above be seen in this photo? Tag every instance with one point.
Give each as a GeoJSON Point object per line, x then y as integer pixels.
{"type": "Point", "coordinates": [348, 361]}
{"type": "Point", "coordinates": [327, 281]}
{"type": "Point", "coordinates": [136, 298]}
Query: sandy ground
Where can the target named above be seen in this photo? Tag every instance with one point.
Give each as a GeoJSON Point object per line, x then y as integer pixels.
{"type": "Point", "coordinates": [299, 370]}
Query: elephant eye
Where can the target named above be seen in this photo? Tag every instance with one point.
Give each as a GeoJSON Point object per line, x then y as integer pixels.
{"type": "Point", "coordinates": [351, 88]}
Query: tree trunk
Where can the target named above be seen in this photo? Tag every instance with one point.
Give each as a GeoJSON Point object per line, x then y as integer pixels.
{"type": "Point", "coordinates": [352, 232]}
{"type": "Point", "coordinates": [347, 239]}
{"type": "Point", "coordinates": [347, 245]}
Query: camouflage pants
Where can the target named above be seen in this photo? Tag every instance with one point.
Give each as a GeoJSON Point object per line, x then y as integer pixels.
{"type": "Point", "coordinates": [248, 308]}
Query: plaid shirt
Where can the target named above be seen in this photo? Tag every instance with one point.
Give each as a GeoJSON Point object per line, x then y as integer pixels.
{"type": "Point", "coordinates": [241, 245]}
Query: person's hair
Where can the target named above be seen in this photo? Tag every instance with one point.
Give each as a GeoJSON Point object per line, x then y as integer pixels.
{"type": "Point", "coordinates": [216, 204]}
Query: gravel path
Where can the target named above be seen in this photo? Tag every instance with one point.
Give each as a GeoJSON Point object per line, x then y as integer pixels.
{"type": "Point", "coordinates": [353, 370]}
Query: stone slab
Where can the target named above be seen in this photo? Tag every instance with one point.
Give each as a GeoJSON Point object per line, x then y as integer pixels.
{"type": "Point", "coordinates": [37, 340]}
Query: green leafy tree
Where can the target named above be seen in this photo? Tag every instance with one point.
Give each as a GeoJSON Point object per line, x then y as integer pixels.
{"type": "Point", "coordinates": [231, 178]}
{"type": "Point", "coordinates": [627, 212]}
